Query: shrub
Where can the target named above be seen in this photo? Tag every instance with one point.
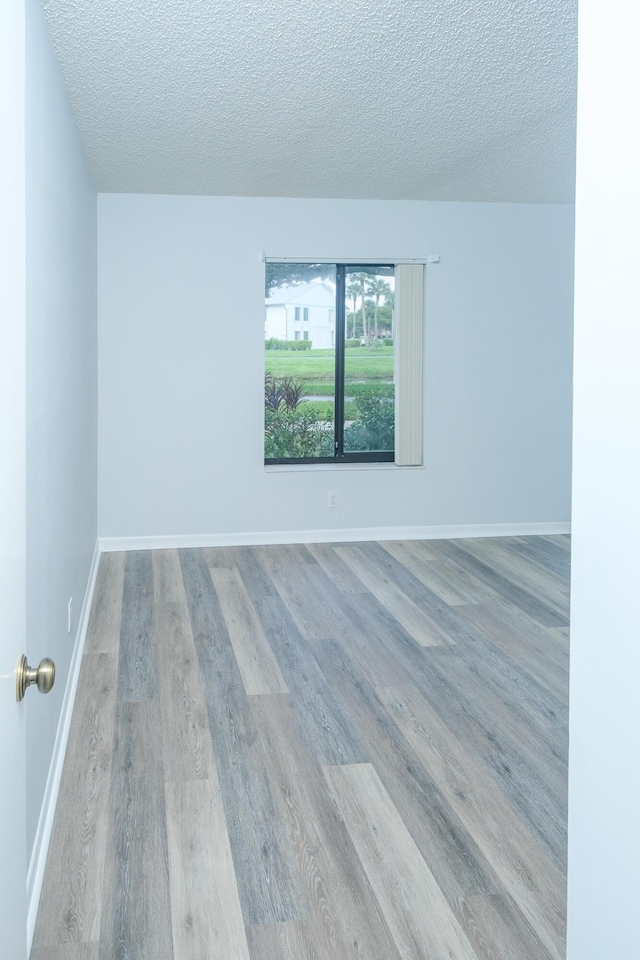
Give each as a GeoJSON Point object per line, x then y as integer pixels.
{"type": "Point", "coordinates": [373, 429]}
{"type": "Point", "coordinates": [350, 344]}
{"type": "Point", "coordinates": [296, 433]}
{"type": "Point", "coordinates": [274, 344]}
{"type": "Point", "coordinates": [282, 392]}
{"type": "Point", "coordinates": [387, 342]}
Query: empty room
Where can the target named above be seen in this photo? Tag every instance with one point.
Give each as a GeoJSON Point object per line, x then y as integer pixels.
{"type": "Point", "coordinates": [319, 374]}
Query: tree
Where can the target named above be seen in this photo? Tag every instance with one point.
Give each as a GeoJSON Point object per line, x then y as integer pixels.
{"type": "Point", "coordinates": [378, 289]}
{"type": "Point", "coordinates": [362, 279]}
{"type": "Point", "coordinates": [290, 274]}
{"type": "Point", "coordinates": [385, 321]}
{"type": "Point", "coordinates": [352, 292]}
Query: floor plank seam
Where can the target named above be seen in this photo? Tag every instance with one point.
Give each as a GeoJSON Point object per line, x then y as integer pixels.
{"type": "Point", "coordinates": [318, 752]}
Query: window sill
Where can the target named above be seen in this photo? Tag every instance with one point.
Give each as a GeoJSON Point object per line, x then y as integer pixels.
{"type": "Point", "coordinates": [311, 467]}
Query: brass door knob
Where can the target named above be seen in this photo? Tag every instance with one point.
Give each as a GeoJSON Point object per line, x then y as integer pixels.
{"type": "Point", "coordinates": [43, 676]}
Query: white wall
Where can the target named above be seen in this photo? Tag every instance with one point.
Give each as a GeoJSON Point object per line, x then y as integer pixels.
{"type": "Point", "coordinates": [604, 758]}
{"type": "Point", "coordinates": [61, 387]}
{"type": "Point", "coordinates": [181, 333]}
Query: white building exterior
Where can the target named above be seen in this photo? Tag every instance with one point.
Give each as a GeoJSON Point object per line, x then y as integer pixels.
{"type": "Point", "coordinates": [304, 312]}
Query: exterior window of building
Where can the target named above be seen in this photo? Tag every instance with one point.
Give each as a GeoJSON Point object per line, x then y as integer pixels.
{"type": "Point", "coordinates": [334, 400]}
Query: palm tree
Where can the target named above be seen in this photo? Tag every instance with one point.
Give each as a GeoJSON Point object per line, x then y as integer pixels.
{"type": "Point", "coordinates": [352, 291]}
{"type": "Point", "coordinates": [378, 289]}
{"type": "Point", "coordinates": [362, 279]}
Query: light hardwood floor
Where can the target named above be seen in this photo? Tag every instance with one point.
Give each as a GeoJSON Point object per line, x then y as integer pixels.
{"type": "Point", "coordinates": [317, 753]}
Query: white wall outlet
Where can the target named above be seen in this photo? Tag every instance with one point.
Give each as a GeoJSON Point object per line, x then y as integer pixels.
{"type": "Point", "coordinates": [332, 498]}
{"type": "Point", "coordinates": [69, 614]}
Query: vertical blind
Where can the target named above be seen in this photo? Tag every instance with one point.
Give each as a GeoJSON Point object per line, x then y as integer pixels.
{"type": "Point", "coordinates": [408, 363]}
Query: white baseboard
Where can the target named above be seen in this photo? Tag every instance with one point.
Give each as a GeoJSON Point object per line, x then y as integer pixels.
{"type": "Point", "coordinates": [443, 532]}
{"type": "Point", "coordinates": [38, 860]}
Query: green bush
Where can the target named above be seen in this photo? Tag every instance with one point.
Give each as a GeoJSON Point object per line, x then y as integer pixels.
{"type": "Point", "coordinates": [387, 342]}
{"type": "Point", "coordinates": [274, 344]}
{"type": "Point", "coordinates": [373, 428]}
{"type": "Point", "coordinates": [350, 344]}
{"type": "Point", "coordinates": [296, 433]}
{"type": "Point", "coordinates": [321, 408]}
{"type": "Point", "coordinates": [282, 392]}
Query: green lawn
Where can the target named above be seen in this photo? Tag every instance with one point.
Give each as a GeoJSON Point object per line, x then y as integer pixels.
{"type": "Point", "coordinates": [322, 389]}
{"type": "Point", "coordinates": [315, 367]}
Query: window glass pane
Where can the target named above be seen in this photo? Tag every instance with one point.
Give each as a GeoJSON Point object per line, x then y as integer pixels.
{"type": "Point", "coordinates": [299, 370]}
{"type": "Point", "coordinates": [369, 359]}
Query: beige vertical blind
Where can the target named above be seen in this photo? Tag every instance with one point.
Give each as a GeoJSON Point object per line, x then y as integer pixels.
{"type": "Point", "coordinates": [409, 290]}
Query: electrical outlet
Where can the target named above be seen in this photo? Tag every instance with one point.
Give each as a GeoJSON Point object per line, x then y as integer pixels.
{"type": "Point", "coordinates": [69, 614]}
{"type": "Point", "coordinates": [332, 498]}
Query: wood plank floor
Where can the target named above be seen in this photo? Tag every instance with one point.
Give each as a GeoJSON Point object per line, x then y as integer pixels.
{"type": "Point", "coordinates": [322, 752]}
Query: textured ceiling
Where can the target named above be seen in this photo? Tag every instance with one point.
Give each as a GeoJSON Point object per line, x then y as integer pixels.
{"type": "Point", "coordinates": [397, 99]}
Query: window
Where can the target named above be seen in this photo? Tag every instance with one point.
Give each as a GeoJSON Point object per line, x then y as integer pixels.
{"type": "Point", "coordinates": [353, 391]}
